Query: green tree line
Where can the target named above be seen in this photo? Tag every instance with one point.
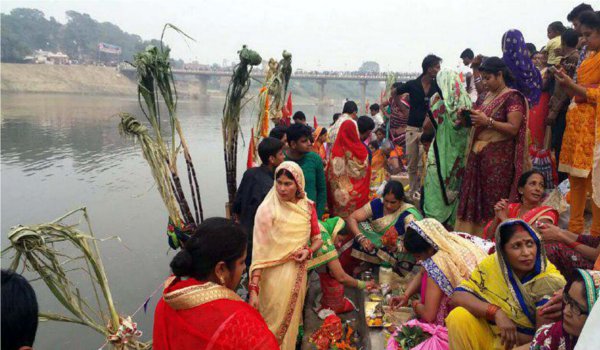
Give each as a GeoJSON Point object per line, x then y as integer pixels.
{"type": "Point", "coordinates": [25, 30]}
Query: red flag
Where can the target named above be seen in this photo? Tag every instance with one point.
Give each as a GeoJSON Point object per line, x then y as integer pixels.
{"type": "Point", "coordinates": [250, 161]}
{"type": "Point", "coordinates": [287, 111]}
{"type": "Point", "coordinates": [315, 124]}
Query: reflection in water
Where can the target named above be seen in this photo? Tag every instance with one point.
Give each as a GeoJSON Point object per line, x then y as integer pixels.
{"type": "Point", "coordinates": [60, 152]}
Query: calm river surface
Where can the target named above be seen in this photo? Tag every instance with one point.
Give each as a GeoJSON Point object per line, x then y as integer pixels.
{"type": "Point", "coordinates": [61, 152]}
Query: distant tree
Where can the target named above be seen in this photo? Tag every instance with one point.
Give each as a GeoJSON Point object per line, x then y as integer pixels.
{"type": "Point", "coordinates": [369, 67]}
{"type": "Point", "coordinates": [26, 30]}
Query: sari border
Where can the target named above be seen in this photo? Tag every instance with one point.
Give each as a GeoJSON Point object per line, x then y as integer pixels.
{"type": "Point", "coordinates": [283, 328]}
{"type": "Point", "coordinates": [438, 276]}
{"type": "Point", "coordinates": [193, 296]}
{"type": "Point", "coordinates": [365, 257]}
{"type": "Point", "coordinates": [540, 215]}
{"type": "Point", "coordinates": [321, 259]}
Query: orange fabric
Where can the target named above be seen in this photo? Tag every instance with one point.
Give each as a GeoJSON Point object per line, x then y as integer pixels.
{"type": "Point", "coordinates": [597, 264]}
{"type": "Point", "coordinates": [318, 146]}
{"type": "Point", "coordinates": [579, 189]}
{"type": "Point", "coordinates": [222, 324]}
{"type": "Point", "coordinates": [576, 156]}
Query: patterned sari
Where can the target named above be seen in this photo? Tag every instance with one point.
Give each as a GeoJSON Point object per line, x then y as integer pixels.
{"type": "Point", "coordinates": [495, 282]}
{"type": "Point", "coordinates": [204, 315]}
{"type": "Point", "coordinates": [384, 231]}
{"type": "Point", "coordinates": [445, 161]}
{"type": "Point", "coordinates": [281, 229]}
{"type": "Point", "coordinates": [553, 336]}
{"type": "Point", "coordinates": [454, 260]}
{"type": "Point", "coordinates": [348, 172]}
{"type": "Point", "coordinates": [494, 164]}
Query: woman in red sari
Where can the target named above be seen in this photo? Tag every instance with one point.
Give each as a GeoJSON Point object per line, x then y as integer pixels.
{"type": "Point", "coordinates": [529, 209]}
{"type": "Point", "coordinates": [348, 171]}
{"type": "Point", "coordinates": [199, 309]}
{"type": "Point", "coordinates": [497, 149]}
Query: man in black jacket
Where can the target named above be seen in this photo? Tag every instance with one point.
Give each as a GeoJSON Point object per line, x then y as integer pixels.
{"type": "Point", "coordinates": [420, 91]}
{"type": "Point", "coordinates": [255, 185]}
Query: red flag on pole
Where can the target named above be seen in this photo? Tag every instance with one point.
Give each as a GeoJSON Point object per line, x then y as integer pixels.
{"type": "Point", "coordinates": [251, 147]}
{"type": "Point", "coordinates": [287, 111]}
{"type": "Point", "coordinates": [315, 124]}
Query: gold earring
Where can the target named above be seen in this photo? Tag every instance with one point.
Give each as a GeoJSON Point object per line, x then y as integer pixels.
{"type": "Point", "coordinates": [222, 280]}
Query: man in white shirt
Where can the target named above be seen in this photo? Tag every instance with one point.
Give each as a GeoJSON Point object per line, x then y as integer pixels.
{"type": "Point", "coordinates": [376, 115]}
{"type": "Point", "coordinates": [467, 57]}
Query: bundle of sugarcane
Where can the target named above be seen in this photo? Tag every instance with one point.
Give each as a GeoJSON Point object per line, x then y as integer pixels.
{"type": "Point", "coordinates": [156, 83]}
{"type": "Point", "coordinates": [237, 89]}
{"type": "Point", "coordinates": [41, 250]}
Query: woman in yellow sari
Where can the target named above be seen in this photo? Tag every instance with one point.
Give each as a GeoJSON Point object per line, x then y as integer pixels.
{"type": "Point", "coordinates": [580, 153]}
{"type": "Point", "coordinates": [497, 305]}
{"type": "Point", "coordinates": [285, 222]}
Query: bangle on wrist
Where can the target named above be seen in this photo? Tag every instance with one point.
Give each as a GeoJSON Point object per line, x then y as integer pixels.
{"type": "Point", "coordinates": [253, 287]}
{"type": "Point", "coordinates": [361, 284]}
{"type": "Point", "coordinates": [490, 313]}
{"type": "Point", "coordinates": [572, 245]}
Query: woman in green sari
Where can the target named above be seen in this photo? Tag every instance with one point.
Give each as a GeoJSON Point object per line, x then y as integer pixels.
{"type": "Point", "coordinates": [332, 277]}
{"type": "Point", "coordinates": [446, 157]}
{"type": "Point", "coordinates": [379, 226]}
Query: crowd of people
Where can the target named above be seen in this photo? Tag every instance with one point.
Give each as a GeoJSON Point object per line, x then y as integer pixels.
{"type": "Point", "coordinates": [491, 264]}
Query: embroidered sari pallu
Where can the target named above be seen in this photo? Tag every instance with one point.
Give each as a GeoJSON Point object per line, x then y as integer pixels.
{"type": "Point", "coordinates": [494, 282]}
{"type": "Point", "coordinates": [194, 315]}
{"type": "Point", "coordinates": [385, 232]}
{"type": "Point", "coordinates": [454, 260]}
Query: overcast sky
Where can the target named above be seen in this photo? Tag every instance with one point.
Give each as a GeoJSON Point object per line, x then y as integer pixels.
{"type": "Point", "coordinates": [325, 34]}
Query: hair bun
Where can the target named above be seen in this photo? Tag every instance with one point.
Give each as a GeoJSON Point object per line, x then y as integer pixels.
{"type": "Point", "coordinates": [181, 265]}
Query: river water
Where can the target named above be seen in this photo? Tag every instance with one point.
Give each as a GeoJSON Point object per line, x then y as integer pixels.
{"type": "Point", "coordinates": [61, 152]}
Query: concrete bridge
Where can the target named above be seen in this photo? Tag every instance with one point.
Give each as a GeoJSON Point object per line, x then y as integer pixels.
{"type": "Point", "coordinates": [321, 78]}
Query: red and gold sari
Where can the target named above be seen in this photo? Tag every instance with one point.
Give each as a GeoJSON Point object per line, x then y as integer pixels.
{"type": "Point", "coordinates": [348, 172]}
{"type": "Point", "coordinates": [204, 315]}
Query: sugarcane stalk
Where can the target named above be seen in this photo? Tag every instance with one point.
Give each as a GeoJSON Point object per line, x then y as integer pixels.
{"type": "Point", "coordinates": [237, 89]}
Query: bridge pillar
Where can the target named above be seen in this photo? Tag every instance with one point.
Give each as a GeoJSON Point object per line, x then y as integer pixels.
{"type": "Point", "coordinates": [363, 93]}
{"type": "Point", "coordinates": [321, 83]}
{"type": "Point", "coordinates": [203, 86]}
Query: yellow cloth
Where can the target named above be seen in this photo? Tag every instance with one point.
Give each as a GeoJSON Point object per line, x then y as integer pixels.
{"type": "Point", "coordinates": [491, 281]}
{"type": "Point", "coordinates": [467, 332]}
{"type": "Point", "coordinates": [456, 257]}
{"type": "Point", "coordinates": [576, 155]}
{"type": "Point", "coordinates": [378, 172]}
{"type": "Point", "coordinates": [553, 49]}
{"type": "Point", "coordinates": [281, 228]}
